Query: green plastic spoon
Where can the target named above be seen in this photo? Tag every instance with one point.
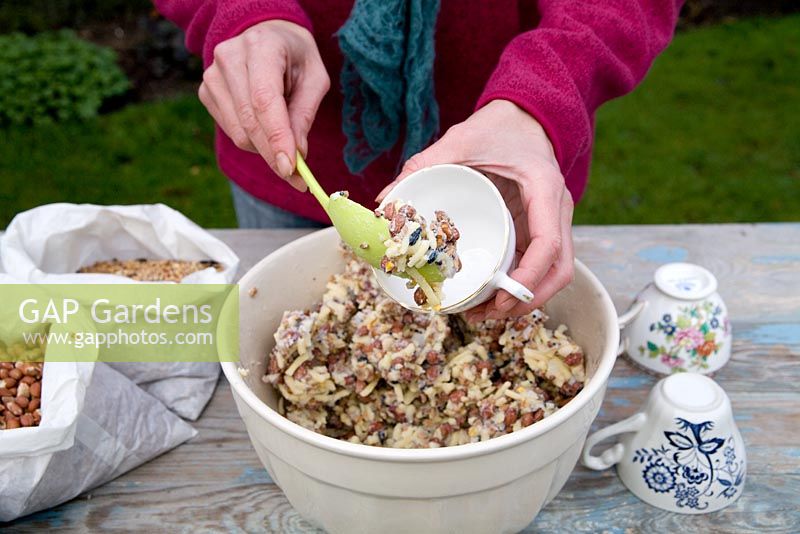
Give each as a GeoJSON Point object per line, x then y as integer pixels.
{"type": "Point", "coordinates": [358, 226]}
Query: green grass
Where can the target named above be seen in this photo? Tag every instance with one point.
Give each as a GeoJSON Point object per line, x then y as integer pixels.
{"type": "Point", "coordinates": [144, 153]}
{"type": "Point", "coordinates": [712, 135]}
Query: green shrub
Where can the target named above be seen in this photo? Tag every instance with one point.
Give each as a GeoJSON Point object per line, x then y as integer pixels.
{"type": "Point", "coordinates": [55, 76]}
{"type": "Point", "coordinates": [31, 16]}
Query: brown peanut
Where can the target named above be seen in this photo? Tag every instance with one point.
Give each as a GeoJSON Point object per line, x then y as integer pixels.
{"type": "Point", "coordinates": [396, 224]}
{"type": "Point", "coordinates": [14, 408]}
{"type": "Point", "coordinates": [12, 423]}
{"type": "Point", "coordinates": [8, 383]}
{"type": "Point", "coordinates": [511, 417]}
{"type": "Point", "coordinates": [20, 394]}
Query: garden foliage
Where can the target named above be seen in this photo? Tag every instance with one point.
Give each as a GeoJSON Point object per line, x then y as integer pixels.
{"type": "Point", "coordinates": [55, 76]}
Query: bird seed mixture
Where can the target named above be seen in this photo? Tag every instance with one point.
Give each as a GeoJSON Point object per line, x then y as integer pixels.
{"type": "Point", "coordinates": [361, 368]}
{"type": "Point", "coordinates": [413, 244]}
{"type": "Point", "coordinates": [146, 270]}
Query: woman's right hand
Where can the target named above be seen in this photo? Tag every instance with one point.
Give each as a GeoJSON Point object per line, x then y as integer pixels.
{"type": "Point", "coordinates": [264, 88]}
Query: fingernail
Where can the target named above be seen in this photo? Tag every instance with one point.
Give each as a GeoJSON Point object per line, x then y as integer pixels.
{"type": "Point", "coordinates": [297, 182]}
{"type": "Point", "coordinates": [384, 192]}
{"type": "Point", "coordinates": [284, 165]}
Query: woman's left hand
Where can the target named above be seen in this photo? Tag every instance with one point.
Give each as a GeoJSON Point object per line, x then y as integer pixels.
{"type": "Point", "coordinates": [512, 148]}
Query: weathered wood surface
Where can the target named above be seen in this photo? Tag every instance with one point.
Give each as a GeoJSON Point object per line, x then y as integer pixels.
{"type": "Point", "coordinates": [216, 483]}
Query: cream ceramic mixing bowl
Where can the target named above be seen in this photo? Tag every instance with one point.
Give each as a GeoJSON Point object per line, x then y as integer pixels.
{"type": "Point", "coordinates": [493, 486]}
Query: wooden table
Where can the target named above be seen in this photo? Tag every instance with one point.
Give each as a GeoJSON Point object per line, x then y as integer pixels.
{"type": "Point", "coordinates": [215, 482]}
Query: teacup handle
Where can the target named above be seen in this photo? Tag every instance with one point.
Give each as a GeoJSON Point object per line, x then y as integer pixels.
{"type": "Point", "coordinates": [502, 281]}
{"type": "Point", "coordinates": [614, 454]}
{"type": "Point", "coordinates": [626, 318]}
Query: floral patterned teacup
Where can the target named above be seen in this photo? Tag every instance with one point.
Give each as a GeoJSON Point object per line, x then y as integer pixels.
{"type": "Point", "coordinates": [680, 322]}
{"type": "Point", "coordinates": [683, 453]}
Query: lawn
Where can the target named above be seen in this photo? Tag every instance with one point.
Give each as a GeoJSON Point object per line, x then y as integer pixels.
{"type": "Point", "coordinates": [712, 135]}
{"type": "Point", "coordinates": [144, 153]}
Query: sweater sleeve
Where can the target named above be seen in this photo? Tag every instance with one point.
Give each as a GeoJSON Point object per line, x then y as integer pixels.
{"type": "Point", "coordinates": [209, 22]}
{"type": "Point", "coordinates": [581, 54]}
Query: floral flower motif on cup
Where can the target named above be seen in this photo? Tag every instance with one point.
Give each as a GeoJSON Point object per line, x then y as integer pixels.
{"type": "Point", "coordinates": [687, 341]}
{"type": "Point", "coordinates": [690, 467]}
{"type": "Point", "coordinates": [659, 477]}
{"type": "Point", "coordinates": [688, 496]}
{"type": "Point", "coordinates": [693, 475]}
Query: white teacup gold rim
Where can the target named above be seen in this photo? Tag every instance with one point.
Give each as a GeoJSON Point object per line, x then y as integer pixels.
{"type": "Point", "coordinates": [460, 305]}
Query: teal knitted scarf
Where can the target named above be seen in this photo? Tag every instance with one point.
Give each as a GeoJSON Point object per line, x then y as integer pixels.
{"type": "Point", "coordinates": [387, 78]}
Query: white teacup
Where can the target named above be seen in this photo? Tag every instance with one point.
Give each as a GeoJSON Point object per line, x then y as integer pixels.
{"type": "Point", "coordinates": [683, 453]}
{"type": "Point", "coordinates": [680, 322]}
{"type": "Point", "coordinates": [487, 241]}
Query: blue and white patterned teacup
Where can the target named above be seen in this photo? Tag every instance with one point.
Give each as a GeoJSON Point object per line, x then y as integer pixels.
{"type": "Point", "coordinates": [683, 453]}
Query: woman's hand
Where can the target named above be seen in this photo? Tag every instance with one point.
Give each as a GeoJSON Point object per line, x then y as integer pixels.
{"type": "Point", "coordinates": [264, 88]}
{"type": "Point", "coordinates": [512, 148]}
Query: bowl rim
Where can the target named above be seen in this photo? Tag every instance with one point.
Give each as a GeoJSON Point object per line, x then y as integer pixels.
{"type": "Point", "coordinates": [455, 452]}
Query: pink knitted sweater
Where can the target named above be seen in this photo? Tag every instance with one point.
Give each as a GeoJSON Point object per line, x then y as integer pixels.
{"type": "Point", "coordinates": [557, 59]}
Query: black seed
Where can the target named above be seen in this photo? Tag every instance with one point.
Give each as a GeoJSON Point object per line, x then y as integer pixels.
{"type": "Point", "coordinates": [415, 235]}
